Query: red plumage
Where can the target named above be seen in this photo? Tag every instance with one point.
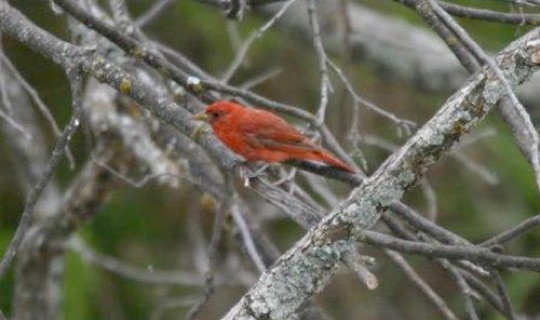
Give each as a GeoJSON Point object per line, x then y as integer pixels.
{"type": "Point", "coordinates": [259, 135]}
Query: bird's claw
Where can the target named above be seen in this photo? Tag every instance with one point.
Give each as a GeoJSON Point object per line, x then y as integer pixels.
{"type": "Point", "coordinates": [247, 174]}
{"type": "Point", "coordinates": [242, 168]}
{"type": "Point", "coordinates": [259, 170]}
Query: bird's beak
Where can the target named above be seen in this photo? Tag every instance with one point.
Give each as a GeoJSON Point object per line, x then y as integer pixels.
{"type": "Point", "coordinates": [201, 116]}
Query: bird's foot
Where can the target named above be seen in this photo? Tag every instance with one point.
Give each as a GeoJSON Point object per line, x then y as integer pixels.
{"type": "Point", "coordinates": [242, 168]}
{"type": "Point", "coordinates": [246, 173]}
{"type": "Point", "coordinates": [287, 180]}
{"type": "Point", "coordinates": [260, 170]}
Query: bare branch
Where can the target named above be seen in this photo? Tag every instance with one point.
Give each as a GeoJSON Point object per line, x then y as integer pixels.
{"type": "Point", "coordinates": [308, 266]}
{"type": "Point", "coordinates": [155, 11]}
{"type": "Point", "coordinates": [470, 253]}
{"type": "Point", "coordinates": [534, 136]}
{"type": "Point", "coordinates": [501, 288]}
{"type": "Point", "coordinates": [156, 129]}
{"type": "Point", "coordinates": [131, 46]}
{"type": "Point", "coordinates": [250, 40]}
{"type": "Point", "coordinates": [141, 274]}
{"type": "Point", "coordinates": [321, 55]}
{"type": "Point", "coordinates": [511, 234]}
{"type": "Point", "coordinates": [33, 94]}
{"type": "Point", "coordinates": [33, 197]}
{"type": "Point", "coordinates": [422, 285]}
{"type": "Point", "coordinates": [247, 239]}
{"type": "Point", "coordinates": [489, 15]}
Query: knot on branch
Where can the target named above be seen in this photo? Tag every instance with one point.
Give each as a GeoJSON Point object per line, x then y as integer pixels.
{"type": "Point", "coordinates": [533, 49]}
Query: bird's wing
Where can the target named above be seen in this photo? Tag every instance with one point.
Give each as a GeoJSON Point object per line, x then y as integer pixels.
{"type": "Point", "coordinates": [265, 130]}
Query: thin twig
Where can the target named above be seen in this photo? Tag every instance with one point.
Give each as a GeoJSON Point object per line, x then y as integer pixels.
{"type": "Point", "coordinates": [155, 11]}
{"type": "Point", "coordinates": [501, 288]}
{"type": "Point", "coordinates": [263, 77]}
{"type": "Point", "coordinates": [14, 124]}
{"type": "Point", "coordinates": [241, 53]}
{"type": "Point", "coordinates": [466, 291]}
{"type": "Point", "coordinates": [33, 94]}
{"type": "Point", "coordinates": [404, 124]}
{"type": "Point", "coordinates": [420, 283]}
{"type": "Point", "coordinates": [171, 303]}
{"type": "Point", "coordinates": [476, 168]}
{"type": "Point", "coordinates": [141, 182]}
{"type": "Point", "coordinates": [431, 199]}
{"type": "Point", "coordinates": [27, 216]}
{"type": "Point", "coordinates": [359, 265]}
{"type": "Point", "coordinates": [514, 232]}
{"type": "Point", "coordinates": [325, 85]}
{"type": "Point", "coordinates": [141, 274]}
{"type": "Point", "coordinates": [247, 238]}
{"type": "Point", "coordinates": [490, 15]}
{"type": "Point", "coordinates": [209, 287]}
{"type": "Point", "coordinates": [453, 252]}
{"type": "Point", "coordinates": [3, 85]}
{"type": "Point", "coordinates": [484, 290]}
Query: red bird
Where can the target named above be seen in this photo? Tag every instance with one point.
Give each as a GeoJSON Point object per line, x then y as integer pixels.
{"type": "Point", "coordinates": [259, 135]}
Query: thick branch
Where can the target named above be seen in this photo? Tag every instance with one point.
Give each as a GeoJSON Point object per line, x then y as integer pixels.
{"type": "Point", "coordinates": [306, 268]}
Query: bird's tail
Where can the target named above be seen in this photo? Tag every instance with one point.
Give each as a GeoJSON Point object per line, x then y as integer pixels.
{"type": "Point", "coordinates": [334, 162]}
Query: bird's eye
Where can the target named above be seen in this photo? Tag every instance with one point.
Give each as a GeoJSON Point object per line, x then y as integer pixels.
{"type": "Point", "coordinates": [215, 114]}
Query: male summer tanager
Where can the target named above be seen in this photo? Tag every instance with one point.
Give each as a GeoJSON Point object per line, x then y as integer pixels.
{"type": "Point", "coordinates": [259, 135]}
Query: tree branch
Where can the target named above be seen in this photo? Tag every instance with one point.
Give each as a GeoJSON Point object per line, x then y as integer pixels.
{"type": "Point", "coordinates": [28, 213]}
{"type": "Point", "coordinates": [307, 267]}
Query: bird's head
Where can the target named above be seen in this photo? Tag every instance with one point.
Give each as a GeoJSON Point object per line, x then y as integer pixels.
{"type": "Point", "coordinates": [218, 111]}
